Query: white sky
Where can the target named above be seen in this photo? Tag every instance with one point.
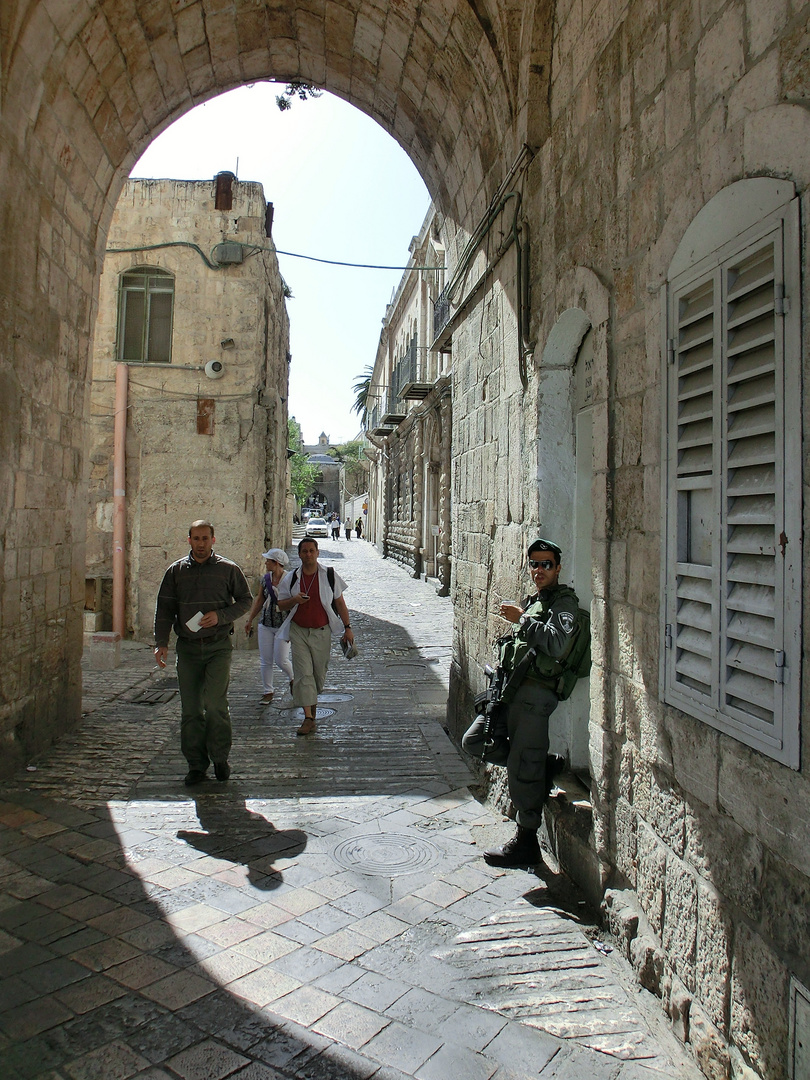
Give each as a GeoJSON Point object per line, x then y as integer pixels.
{"type": "Point", "coordinates": [342, 189]}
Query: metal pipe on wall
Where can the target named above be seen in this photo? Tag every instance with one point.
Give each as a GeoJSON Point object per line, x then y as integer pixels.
{"type": "Point", "coordinates": [119, 561]}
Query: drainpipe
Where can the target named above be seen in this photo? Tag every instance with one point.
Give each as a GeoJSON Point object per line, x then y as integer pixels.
{"type": "Point", "coordinates": [120, 499]}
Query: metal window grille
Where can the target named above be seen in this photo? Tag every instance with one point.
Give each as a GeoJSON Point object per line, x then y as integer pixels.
{"type": "Point", "coordinates": [146, 315]}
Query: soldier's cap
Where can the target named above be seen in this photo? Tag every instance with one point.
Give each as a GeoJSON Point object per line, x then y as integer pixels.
{"type": "Point", "coordinates": [545, 545]}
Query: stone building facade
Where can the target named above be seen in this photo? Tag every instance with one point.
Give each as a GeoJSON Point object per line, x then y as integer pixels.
{"type": "Point", "coordinates": [409, 421]}
{"type": "Point", "coordinates": [623, 185]}
{"type": "Point", "coordinates": [206, 346]}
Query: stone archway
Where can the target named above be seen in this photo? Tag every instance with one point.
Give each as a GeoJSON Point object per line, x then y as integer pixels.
{"type": "Point", "coordinates": [83, 89]}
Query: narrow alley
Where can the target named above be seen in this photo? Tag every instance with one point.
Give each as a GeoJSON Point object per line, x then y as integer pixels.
{"type": "Point", "coordinates": [324, 915]}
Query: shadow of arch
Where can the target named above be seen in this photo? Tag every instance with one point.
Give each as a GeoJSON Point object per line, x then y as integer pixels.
{"type": "Point", "coordinates": [91, 940]}
{"type": "Point", "coordinates": [121, 948]}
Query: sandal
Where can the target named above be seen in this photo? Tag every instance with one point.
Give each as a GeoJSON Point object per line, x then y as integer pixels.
{"type": "Point", "coordinates": [307, 727]}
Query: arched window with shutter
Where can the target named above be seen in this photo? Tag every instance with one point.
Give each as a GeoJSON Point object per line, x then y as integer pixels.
{"type": "Point", "coordinates": [732, 573]}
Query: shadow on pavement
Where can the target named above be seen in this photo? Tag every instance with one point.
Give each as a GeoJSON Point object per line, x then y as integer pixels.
{"type": "Point", "coordinates": [230, 831]}
{"type": "Point", "coordinates": [108, 964]}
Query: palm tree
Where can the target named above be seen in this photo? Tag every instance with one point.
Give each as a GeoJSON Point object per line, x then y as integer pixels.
{"type": "Point", "coordinates": [361, 388]}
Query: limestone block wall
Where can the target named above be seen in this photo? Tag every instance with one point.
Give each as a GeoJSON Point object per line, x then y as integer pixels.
{"type": "Point", "coordinates": [409, 492]}
{"type": "Point", "coordinates": [196, 447]}
{"type": "Point", "coordinates": [654, 109]}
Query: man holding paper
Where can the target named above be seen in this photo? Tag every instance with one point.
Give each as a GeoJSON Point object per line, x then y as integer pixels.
{"type": "Point", "coordinates": [201, 596]}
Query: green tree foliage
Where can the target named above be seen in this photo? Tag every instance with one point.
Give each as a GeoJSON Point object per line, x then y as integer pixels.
{"type": "Point", "coordinates": [361, 388]}
{"type": "Point", "coordinates": [302, 472]}
{"type": "Point", "coordinates": [355, 465]}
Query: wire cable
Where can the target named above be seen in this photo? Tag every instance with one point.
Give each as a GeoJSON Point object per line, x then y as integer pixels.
{"type": "Point", "coordinates": [253, 249]}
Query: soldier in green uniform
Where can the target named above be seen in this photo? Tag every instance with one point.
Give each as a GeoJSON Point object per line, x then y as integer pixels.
{"type": "Point", "coordinates": [545, 622]}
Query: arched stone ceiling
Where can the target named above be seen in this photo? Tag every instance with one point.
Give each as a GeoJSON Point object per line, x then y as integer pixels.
{"type": "Point", "coordinates": [100, 78]}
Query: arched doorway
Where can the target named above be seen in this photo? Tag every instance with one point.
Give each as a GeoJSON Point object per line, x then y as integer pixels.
{"type": "Point", "coordinates": [83, 89]}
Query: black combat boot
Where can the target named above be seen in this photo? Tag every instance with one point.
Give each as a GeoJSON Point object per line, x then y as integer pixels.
{"type": "Point", "coordinates": [522, 851]}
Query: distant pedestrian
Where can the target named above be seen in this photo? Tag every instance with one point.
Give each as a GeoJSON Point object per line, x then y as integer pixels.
{"type": "Point", "coordinates": [200, 597]}
{"type": "Point", "coordinates": [348, 530]}
{"type": "Point", "coordinates": [335, 527]}
{"type": "Point", "coordinates": [273, 651]}
{"type": "Point", "coordinates": [314, 597]}
{"type": "Point", "coordinates": [358, 528]}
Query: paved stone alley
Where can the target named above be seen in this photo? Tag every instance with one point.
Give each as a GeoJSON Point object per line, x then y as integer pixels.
{"type": "Point", "coordinates": [324, 915]}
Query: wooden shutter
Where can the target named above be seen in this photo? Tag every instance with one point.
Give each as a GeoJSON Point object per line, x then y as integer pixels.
{"type": "Point", "coordinates": [751, 510]}
{"type": "Point", "coordinates": [693, 495]}
{"type": "Point", "coordinates": [731, 623]}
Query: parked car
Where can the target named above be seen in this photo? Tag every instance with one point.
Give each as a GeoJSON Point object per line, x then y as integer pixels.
{"type": "Point", "coordinates": [317, 526]}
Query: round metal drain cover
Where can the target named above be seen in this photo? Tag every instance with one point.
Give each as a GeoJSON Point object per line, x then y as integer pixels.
{"type": "Point", "coordinates": [385, 854]}
{"type": "Point", "coordinates": [298, 713]}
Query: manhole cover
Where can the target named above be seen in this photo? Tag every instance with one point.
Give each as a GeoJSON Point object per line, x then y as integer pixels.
{"type": "Point", "coordinates": [385, 854]}
{"type": "Point", "coordinates": [298, 714]}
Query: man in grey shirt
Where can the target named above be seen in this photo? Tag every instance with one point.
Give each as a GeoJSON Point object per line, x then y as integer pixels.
{"type": "Point", "coordinates": [200, 597]}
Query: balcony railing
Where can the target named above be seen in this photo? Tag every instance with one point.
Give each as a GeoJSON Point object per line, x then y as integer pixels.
{"type": "Point", "coordinates": [375, 423]}
{"type": "Point", "coordinates": [441, 312]}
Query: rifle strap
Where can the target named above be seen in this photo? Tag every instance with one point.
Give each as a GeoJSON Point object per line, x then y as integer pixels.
{"type": "Point", "coordinates": [512, 684]}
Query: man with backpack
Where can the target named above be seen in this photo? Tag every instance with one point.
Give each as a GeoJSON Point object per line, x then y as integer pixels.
{"type": "Point", "coordinates": [533, 677]}
{"type": "Point", "coordinates": [313, 595]}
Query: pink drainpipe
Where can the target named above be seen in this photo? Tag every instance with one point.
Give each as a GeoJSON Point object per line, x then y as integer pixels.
{"type": "Point", "coordinates": [120, 500]}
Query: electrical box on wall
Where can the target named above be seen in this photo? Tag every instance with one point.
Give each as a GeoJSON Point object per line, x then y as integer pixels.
{"type": "Point", "coordinates": [228, 253]}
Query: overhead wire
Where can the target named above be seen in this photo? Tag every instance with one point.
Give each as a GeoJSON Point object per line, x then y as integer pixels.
{"type": "Point", "coordinates": [254, 249]}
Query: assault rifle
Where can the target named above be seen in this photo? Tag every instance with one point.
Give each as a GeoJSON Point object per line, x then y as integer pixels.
{"type": "Point", "coordinates": [491, 704]}
{"type": "Point", "coordinates": [503, 685]}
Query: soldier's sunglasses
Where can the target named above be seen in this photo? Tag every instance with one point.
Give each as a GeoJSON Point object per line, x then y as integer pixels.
{"type": "Point", "coordinates": [546, 564]}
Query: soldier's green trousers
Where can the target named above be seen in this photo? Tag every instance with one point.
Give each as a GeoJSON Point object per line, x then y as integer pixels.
{"type": "Point", "coordinates": [203, 675]}
{"type": "Point", "coordinates": [526, 751]}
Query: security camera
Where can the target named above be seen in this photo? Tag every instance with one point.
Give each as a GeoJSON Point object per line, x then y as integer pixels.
{"type": "Point", "coordinates": [214, 369]}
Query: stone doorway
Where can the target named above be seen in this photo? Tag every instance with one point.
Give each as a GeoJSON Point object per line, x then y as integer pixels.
{"type": "Point", "coordinates": [83, 89]}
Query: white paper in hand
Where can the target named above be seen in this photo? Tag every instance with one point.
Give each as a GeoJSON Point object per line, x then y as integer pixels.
{"type": "Point", "coordinates": [194, 622]}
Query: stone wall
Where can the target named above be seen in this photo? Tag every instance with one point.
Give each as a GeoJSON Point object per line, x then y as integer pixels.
{"type": "Point", "coordinates": [409, 492]}
{"type": "Point", "coordinates": [635, 113]}
{"type": "Point", "coordinates": [196, 447]}
{"type": "Point", "coordinates": [654, 109]}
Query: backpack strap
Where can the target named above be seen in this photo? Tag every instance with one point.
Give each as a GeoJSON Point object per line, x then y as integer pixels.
{"type": "Point", "coordinates": [330, 577]}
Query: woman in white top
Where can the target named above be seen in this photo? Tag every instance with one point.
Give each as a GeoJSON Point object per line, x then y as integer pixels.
{"type": "Point", "coordinates": [272, 648]}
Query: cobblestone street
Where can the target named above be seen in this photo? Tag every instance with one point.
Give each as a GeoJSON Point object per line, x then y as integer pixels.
{"type": "Point", "coordinates": [324, 915]}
